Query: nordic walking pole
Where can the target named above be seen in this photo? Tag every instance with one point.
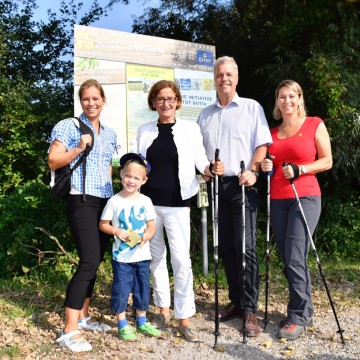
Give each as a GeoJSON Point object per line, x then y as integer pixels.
{"type": "Point", "coordinates": [243, 260]}
{"type": "Point", "coordinates": [266, 320]}
{"type": "Point", "coordinates": [340, 331]}
{"type": "Point", "coordinates": [215, 218]}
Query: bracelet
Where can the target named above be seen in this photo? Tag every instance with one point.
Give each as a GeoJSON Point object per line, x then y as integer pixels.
{"type": "Point", "coordinates": [255, 172]}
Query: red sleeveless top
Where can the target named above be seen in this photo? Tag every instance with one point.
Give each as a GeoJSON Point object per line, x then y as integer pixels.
{"type": "Point", "coordinates": [299, 149]}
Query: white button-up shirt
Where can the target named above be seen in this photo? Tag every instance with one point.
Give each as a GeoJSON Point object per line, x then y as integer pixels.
{"type": "Point", "coordinates": [236, 130]}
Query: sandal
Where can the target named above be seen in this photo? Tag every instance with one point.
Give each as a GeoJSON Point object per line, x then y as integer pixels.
{"type": "Point", "coordinates": [95, 326]}
{"type": "Point", "coordinates": [77, 345]}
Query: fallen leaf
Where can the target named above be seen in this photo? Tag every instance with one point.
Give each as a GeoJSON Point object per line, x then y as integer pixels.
{"type": "Point", "coordinates": [287, 353]}
{"type": "Point", "coordinates": [267, 344]}
{"type": "Point", "coordinates": [177, 341]}
{"type": "Point", "coordinates": [143, 349]}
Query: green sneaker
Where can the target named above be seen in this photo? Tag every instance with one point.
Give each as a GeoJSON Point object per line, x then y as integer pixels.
{"type": "Point", "coordinates": [127, 333]}
{"type": "Point", "coordinates": [149, 329]}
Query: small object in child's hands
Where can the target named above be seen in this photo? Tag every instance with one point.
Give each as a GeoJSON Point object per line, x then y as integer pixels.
{"type": "Point", "coordinates": [133, 238]}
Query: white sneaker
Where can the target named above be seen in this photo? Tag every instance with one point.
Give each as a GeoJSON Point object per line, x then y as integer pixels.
{"type": "Point", "coordinates": [78, 345]}
{"type": "Point", "coordinates": [95, 326]}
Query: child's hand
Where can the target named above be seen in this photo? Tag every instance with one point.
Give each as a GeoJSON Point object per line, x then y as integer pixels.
{"type": "Point", "coordinates": [122, 234]}
{"type": "Point", "coordinates": [144, 238]}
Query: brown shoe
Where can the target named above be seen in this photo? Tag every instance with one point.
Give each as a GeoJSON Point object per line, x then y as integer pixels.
{"type": "Point", "coordinates": [229, 312]}
{"type": "Point", "coordinates": [252, 328]}
{"type": "Point", "coordinates": [189, 333]}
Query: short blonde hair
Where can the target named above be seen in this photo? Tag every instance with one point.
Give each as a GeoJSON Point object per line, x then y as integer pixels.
{"type": "Point", "coordinates": [291, 84]}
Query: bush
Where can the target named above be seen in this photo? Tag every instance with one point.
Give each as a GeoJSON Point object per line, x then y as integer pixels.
{"type": "Point", "coordinates": [339, 228]}
{"type": "Point", "coordinates": [29, 208]}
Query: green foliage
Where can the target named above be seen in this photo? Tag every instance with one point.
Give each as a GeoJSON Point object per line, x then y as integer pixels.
{"type": "Point", "coordinates": [315, 43]}
{"type": "Point", "coordinates": [341, 227]}
{"type": "Point", "coordinates": [10, 352]}
{"type": "Point", "coordinates": [29, 207]}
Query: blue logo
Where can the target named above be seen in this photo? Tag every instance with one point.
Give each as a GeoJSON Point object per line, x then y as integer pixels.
{"type": "Point", "coordinates": [205, 58]}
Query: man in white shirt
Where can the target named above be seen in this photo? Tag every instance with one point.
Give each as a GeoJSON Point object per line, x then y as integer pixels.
{"type": "Point", "coordinates": [238, 128]}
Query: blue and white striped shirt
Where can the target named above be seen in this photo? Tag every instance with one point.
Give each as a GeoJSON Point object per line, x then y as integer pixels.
{"type": "Point", "coordinates": [98, 180]}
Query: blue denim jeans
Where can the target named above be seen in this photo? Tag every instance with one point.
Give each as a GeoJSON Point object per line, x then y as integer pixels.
{"type": "Point", "coordinates": [130, 277]}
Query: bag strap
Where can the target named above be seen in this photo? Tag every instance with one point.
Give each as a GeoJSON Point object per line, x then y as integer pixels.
{"type": "Point", "coordinates": [85, 129]}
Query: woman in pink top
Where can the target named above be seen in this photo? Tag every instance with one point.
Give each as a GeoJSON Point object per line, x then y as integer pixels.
{"type": "Point", "coordinates": [303, 143]}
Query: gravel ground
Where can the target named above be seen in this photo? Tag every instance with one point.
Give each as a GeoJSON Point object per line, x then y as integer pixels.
{"type": "Point", "coordinates": [36, 337]}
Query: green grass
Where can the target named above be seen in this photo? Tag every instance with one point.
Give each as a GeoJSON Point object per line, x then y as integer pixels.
{"type": "Point", "coordinates": [13, 310]}
{"type": "Point", "coordinates": [9, 352]}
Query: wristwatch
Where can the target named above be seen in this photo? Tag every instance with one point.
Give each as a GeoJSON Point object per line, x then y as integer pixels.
{"type": "Point", "coordinates": [255, 172]}
{"type": "Point", "coordinates": [303, 169]}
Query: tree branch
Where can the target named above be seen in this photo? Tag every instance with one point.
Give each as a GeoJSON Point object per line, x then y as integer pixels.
{"type": "Point", "coordinates": [52, 237]}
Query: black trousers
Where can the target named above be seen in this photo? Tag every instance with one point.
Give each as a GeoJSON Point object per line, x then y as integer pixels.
{"type": "Point", "coordinates": [231, 237]}
{"type": "Point", "coordinates": [91, 244]}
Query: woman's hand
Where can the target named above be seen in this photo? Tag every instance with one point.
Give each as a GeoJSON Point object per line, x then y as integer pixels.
{"type": "Point", "coordinates": [85, 140]}
{"type": "Point", "coordinates": [218, 167]}
{"type": "Point", "coordinates": [215, 168]}
{"type": "Point", "coordinates": [288, 172]}
{"type": "Point", "coordinates": [267, 165]}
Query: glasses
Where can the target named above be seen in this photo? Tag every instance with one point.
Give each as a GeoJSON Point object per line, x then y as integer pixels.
{"type": "Point", "coordinates": [170, 100]}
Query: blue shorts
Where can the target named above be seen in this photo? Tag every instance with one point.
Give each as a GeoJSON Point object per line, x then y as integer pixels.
{"type": "Point", "coordinates": [130, 277]}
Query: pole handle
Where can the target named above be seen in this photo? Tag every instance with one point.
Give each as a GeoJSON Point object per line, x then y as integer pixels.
{"type": "Point", "coordinates": [217, 154]}
{"type": "Point", "coordinates": [242, 166]}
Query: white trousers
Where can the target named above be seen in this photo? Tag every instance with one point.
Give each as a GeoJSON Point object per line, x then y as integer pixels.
{"type": "Point", "coordinates": [176, 221]}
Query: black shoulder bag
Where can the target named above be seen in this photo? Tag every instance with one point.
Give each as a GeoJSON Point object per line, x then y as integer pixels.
{"type": "Point", "coordinates": [61, 178]}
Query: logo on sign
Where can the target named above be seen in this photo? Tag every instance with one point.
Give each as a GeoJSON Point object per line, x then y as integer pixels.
{"type": "Point", "coordinates": [205, 58]}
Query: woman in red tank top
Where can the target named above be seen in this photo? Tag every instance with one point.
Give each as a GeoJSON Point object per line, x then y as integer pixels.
{"type": "Point", "coordinates": [304, 144]}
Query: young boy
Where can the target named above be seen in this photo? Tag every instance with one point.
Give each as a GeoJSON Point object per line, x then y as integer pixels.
{"type": "Point", "coordinates": [130, 217]}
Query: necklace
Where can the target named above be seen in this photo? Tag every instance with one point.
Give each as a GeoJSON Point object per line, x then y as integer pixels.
{"type": "Point", "coordinates": [173, 121]}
